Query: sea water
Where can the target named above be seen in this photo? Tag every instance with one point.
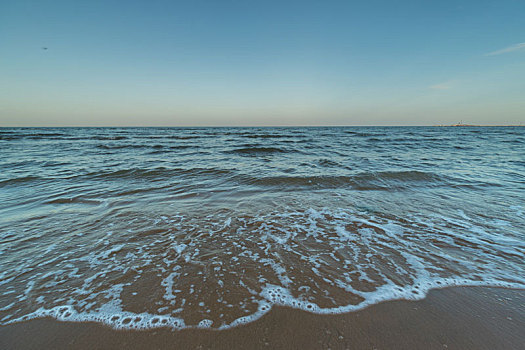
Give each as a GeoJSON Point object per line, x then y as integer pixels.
{"type": "Point", "coordinates": [212, 227]}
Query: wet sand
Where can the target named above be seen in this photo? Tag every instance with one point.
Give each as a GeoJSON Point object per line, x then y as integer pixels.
{"type": "Point", "coordinates": [451, 318]}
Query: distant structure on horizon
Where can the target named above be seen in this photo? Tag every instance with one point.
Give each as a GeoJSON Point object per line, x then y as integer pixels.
{"type": "Point", "coordinates": [458, 124]}
{"type": "Point", "coordinates": [462, 124]}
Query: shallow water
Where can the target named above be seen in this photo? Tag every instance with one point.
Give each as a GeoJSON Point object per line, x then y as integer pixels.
{"type": "Point", "coordinates": [210, 227]}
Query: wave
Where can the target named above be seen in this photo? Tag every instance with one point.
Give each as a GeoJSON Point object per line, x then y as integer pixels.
{"type": "Point", "coordinates": [379, 181]}
{"type": "Point", "coordinates": [364, 181]}
{"type": "Point", "coordinates": [115, 138]}
{"type": "Point", "coordinates": [253, 150]}
{"type": "Point", "coordinates": [329, 163]}
{"type": "Point", "coordinates": [19, 180]}
{"type": "Point", "coordinates": [44, 135]}
{"type": "Point", "coordinates": [9, 137]}
{"type": "Point", "coordinates": [73, 200]}
{"type": "Point", "coordinates": [407, 175]}
{"type": "Point", "coordinates": [159, 173]}
{"type": "Point", "coordinates": [364, 134]}
{"type": "Point", "coordinates": [182, 137]}
{"type": "Point", "coordinates": [122, 146]}
{"type": "Point", "coordinates": [31, 136]}
{"type": "Point", "coordinates": [265, 136]}
{"type": "Point", "coordinates": [271, 296]}
{"type": "Point", "coordinates": [134, 146]}
{"type": "Point", "coordinates": [155, 173]}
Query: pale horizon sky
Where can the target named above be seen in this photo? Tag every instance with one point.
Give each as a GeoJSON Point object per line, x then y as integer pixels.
{"type": "Point", "coordinates": [248, 63]}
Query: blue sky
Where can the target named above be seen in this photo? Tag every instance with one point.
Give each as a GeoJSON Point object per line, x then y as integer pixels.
{"type": "Point", "coordinates": [261, 62]}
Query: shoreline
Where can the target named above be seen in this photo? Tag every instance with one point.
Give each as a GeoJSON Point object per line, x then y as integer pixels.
{"type": "Point", "coordinates": [451, 318]}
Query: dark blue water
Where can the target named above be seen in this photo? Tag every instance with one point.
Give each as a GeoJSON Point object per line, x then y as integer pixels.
{"type": "Point", "coordinates": [210, 227]}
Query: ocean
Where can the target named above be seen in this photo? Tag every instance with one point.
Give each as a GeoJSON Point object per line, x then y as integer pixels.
{"type": "Point", "coordinates": [139, 228]}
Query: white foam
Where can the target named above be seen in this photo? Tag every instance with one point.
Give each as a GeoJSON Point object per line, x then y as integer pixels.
{"type": "Point", "coordinates": [277, 295]}
{"type": "Point", "coordinates": [179, 248]}
{"type": "Point", "coordinates": [348, 247]}
{"type": "Point", "coordinates": [344, 234]}
{"type": "Point", "coordinates": [168, 283]}
{"type": "Point", "coordinates": [118, 319]}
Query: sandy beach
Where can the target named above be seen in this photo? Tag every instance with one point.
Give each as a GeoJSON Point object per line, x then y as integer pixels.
{"type": "Point", "coordinates": [451, 318]}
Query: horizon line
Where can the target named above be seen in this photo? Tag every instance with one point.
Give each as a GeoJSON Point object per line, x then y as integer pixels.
{"type": "Point", "coordinates": [262, 126]}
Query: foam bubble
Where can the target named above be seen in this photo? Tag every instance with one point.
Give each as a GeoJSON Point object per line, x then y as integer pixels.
{"type": "Point", "coordinates": [205, 323]}
{"type": "Point", "coordinates": [277, 295]}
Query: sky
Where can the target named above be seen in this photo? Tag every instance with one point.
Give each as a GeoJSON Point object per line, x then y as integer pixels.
{"type": "Point", "coordinates": [244, 63]}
